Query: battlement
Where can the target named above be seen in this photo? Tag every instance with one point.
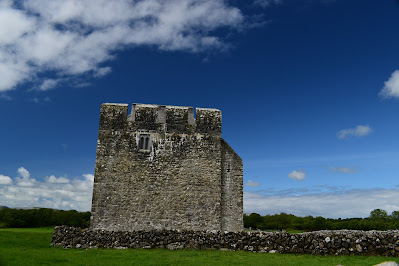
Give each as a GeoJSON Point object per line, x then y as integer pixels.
{"type": "Point", "coordinates": [167, 118]}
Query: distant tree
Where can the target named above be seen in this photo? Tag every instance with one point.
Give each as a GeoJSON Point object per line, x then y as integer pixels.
{"type": "Point", "coordinates": [378, 214]}
{"type": "Point", "coordinates": [395, 216]}
{"type": "Point", "coordinates": [284, 220]}
{"type": "Point", "coordinates": [253, 220]}
{"type": "Point", "coordinates": [319, 223]}
{"type": "Point", "coordinates": [308, 222]}
{"type": "Point", "coordinates": [378, 220]}
{"type": "Point", "coordinates": [42, 217]}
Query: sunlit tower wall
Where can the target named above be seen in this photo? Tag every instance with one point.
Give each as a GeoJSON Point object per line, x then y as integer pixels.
{"type": "Point", "coordinates": [162, 168]}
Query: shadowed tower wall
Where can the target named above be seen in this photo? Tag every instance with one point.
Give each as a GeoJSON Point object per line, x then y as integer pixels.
{"type": "Point", "coordinates": [161, 168]}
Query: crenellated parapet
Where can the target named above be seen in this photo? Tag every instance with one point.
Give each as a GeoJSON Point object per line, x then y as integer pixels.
{"type": "Point", "coordinates": [208, 120]}
{"type": "Point", "coordinates": [113, 116]}
{"type": "Point", "coordinates": [162, 118]}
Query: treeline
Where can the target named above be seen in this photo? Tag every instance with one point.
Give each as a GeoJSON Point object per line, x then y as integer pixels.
{"type": "Point", "coordinates": [42, 218]}
{"type": "Point", "coordinates": [378, 220]}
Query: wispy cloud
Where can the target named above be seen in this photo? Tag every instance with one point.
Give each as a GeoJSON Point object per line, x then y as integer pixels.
{"type": "Point", "coordinates": [53, 192]}
{"type": "Point", "coordinates": [251, 183]}
{"type": "Point", "coordinates": [300, 191]}
{"type": "Point", "coordinates": [298, 175]}
{"type": "Point", "coordinates": [5, 97]}
{"type": "Point", "coordinates": [35, 100]}
{"type": "Point", "coordinates": [346, 204]}
{"type": "Point", "coordinates": [59, 180]}
{"type": "Point", "coordinates": [40, 100]}
{"type": "Point", "coordinates": [320, 159]}
{"type": "Point", "coordinates": [48, 84]}
{"type": "Point", "coordinates": [391, 86]}
{"type": "Point", "coordinates": [342, 169]}
{"type": "Point", "coordinates": [266, 3]}
{"type": "Point", "coordinates": [359, 131]}
{"type": "Point", "coordinates": [75, 37]}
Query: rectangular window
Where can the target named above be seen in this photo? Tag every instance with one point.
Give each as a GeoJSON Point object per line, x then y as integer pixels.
{"type": "Point", "coordinates": [144, 142]}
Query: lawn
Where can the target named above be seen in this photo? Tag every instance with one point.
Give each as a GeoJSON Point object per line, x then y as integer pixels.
{"type": "Point", "coordinates": [31, 246]}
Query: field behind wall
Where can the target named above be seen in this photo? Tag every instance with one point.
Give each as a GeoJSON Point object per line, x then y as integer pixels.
{"type": "Point", "coordinates": [31, 246]}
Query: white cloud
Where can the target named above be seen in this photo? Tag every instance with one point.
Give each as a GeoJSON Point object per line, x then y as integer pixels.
{"type": "Point", "coordinates": [391, 86]}
{"type": "Point", "coordinates": [59, 180]}
{"type": "Point", "coordinates": [57, 193]}
{"type": "Point", "coordinates": [298, 175]}
{"type": "Point", "coordinates": [102, 71]}
{"type": "Point", "coordinates": [84, 185]}
{"type": "Point", "coordinates": [342, 169]}
{"type": "Point", "coordinates": [75, 37]}
{"type": "Point", "coordinates": [89, 177]}
{"type": "Point", "coordinates": [25, 181]}
{"type": "Point", "coordinates": [13, 24]}
{"type": "Point", "coordinates": [5, 180]}
{"type": "Point", "coordinates": [23, 172]}
{"type": "Point", "coordinates": [358, 131]}
{"type": "Point", "coordinates": [251, 183]}
{"type": "Point", "coordinates": [48, 84]}
{"type": "Point", "coordinates": [346, 204]}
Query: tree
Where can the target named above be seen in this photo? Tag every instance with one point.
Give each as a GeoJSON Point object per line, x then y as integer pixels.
{"type": "Point", "coordinates": [253, 220]}
{"type": "Point", "coordinates": [319, 223]}
{"type": "Point", "coordinates": [378, 214]}
{"type": "Point", "coordinates": [395, 216]}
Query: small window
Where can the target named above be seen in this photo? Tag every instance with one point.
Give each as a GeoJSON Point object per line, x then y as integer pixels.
{"type": "Point", "coordinates": [144, 142]}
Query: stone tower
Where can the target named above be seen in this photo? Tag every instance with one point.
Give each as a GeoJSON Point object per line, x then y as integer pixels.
{"type": "Point", "coordinates": [161, 168]}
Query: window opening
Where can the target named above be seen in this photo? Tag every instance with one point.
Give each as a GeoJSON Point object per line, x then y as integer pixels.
{"type": "Point", "coordinates": [140, 143]}
{"type": "Point", "coordinates": [144, 142]}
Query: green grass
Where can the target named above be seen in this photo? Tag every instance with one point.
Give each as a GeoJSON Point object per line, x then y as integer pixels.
{"type": "Point", "coordinates": [291, 231]}
{"type": "Point", "coordinates": [295, 231]}
{"type": "Point", "coordinates": [31, 246]}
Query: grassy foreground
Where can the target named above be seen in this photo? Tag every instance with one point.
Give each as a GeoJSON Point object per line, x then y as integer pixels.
{"type": "Point", "coordinates": [31, 246]}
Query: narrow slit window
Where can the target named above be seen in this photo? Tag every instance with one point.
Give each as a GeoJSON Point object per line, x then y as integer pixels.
{"type": "Point", "coordinates": [140, 143]}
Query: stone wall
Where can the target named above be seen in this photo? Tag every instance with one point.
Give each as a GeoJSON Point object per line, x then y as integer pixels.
{"type": "Point", "coordinates": [177, 183]}
{"type": "Point", "coordinates": [339, 242]}
{"type": "Point", "coordinates": [232, 189]}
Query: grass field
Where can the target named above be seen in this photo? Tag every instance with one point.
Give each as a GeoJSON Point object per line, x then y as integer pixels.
{"type": "Point", "coordinates": [31, 246]}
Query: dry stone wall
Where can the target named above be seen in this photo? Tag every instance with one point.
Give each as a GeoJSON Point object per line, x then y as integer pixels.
{"type": "Point", "coordinates": [161, 168]}
{"type": "Point", "coordinates": [339, 242]}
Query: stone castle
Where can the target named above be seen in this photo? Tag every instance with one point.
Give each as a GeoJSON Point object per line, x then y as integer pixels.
{"type": "Point", "coordinates": [161, 168]}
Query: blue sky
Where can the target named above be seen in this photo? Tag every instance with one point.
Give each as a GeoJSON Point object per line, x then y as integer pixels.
{"type": "Point", "coordinates": [308, 89]}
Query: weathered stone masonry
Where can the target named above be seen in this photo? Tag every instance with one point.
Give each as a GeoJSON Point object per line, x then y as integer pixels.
{"type": "Point", "coordinates": [340, 242]}
{"type": "Point", "coordinates": [161, 168]}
